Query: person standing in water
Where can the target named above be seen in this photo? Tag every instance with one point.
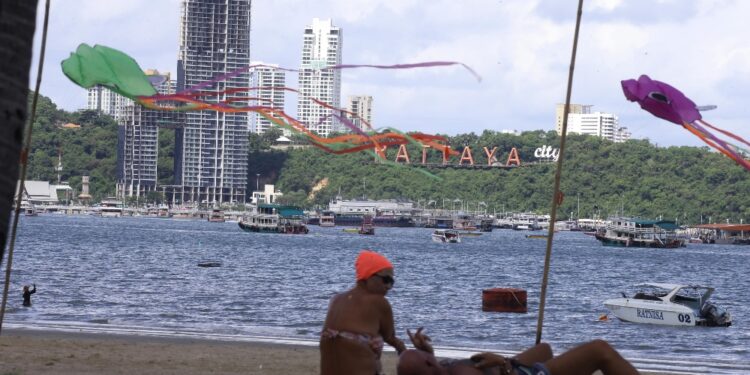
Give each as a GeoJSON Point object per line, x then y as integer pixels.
{"type": "Point", "coordinates": [360, 321]}
{"type": "Point", "coordinates": [27, 295]}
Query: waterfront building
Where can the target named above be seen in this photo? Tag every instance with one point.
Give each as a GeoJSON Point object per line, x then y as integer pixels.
{"type": "Point", "coordinates": [269, 82]}
{"type": "Point", "coordinates": [211, 148]}
{"type": "Point", "coordinates": [269, 195]}
{"type": "Point", "coordinates": [321, 46]}
{"type": "Point", "coordinates": [582, 121]}
{"type": "Point", "coordinates": [138, 140]}
{"type": "Point", "coordinates": [361, 106]}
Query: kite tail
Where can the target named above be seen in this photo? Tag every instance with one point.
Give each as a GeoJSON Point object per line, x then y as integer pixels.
{"type": "Point", "coordinates": [716, 143]}
{"type": "Point", "coordinates": [727, 133]}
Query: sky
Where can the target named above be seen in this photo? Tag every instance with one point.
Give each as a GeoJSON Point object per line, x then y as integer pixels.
{"type": "Point", "coordinates": [520, 48]}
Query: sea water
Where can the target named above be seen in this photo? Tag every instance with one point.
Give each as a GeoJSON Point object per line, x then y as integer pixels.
{"type": "Point", "coordinates": [144, 273]}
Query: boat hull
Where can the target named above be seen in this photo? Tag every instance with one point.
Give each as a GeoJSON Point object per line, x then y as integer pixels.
{"type": "Point", "coordinates": [295, 229]}
{"type": "Point", "coordinates": [624, 242]}
{"type": "Point", "coordinates": [657, 313]}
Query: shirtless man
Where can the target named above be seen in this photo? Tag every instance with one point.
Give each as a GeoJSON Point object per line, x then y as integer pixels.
{"type": "Point", "coordinates": [360, 321]}
{"type": "Point", "coordinates": [538, 360]}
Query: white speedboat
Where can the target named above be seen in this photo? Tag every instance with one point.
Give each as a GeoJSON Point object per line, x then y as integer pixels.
{"type": "Point", "coordinates": [446, 236]}
{"type": "Point", "coordinates": [670, 304]}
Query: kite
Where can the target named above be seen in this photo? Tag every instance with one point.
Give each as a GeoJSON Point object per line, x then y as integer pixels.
{"type": "Point", "coordinates": [101, 65]}
{"type": "Point", "coordinates": [668, 103]}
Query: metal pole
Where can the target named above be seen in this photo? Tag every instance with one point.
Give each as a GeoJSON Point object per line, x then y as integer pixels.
{"type": "Point", "coordinates": [557, 194]}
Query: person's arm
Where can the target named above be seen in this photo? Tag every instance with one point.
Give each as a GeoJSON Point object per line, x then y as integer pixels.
{"type": "Point", "coordinates": [33, 290]}
{"type": "Point", "coordinates": [421, 341]}
{"type": "Point", "coordinates": [387, 329]}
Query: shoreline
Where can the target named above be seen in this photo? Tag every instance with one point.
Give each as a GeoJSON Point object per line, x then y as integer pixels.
{"type": "Point", "coordinates": [67, 352]}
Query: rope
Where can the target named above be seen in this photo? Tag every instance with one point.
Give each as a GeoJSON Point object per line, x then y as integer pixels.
{"type": "Point", "coordinates": [557, 194]}
{"type": "Point", "coordinates": [24, 163]}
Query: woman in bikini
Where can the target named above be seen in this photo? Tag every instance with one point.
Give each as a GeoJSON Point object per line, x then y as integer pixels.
{"type": "Point", "coordinates": [360, 321]}
{"type": "Point", "coordinates": [538, 360]}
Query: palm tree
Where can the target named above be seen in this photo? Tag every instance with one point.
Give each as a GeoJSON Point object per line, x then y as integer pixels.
{"type": "Point", "coordinates": [17, 23]}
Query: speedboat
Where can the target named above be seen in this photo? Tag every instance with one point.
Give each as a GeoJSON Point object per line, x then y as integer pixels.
{"type": "Point", "coordinates": [446, 236]}
{"type": "Point", "coordinates": [670, 304]}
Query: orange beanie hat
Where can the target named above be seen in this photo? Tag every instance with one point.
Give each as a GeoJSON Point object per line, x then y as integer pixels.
{"type": "Point", "coordinates": [369, 263]}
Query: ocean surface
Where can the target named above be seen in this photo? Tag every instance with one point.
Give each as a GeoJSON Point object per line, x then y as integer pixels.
{"type": "Point", "coordinates": [143, 273]}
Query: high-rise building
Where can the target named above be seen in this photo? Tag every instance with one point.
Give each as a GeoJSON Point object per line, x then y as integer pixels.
{"type": "Point", "coordinates": [138, 140]}
{"type": "Point", "coordinates": [211, 149]}
{"type": "Point", "coordinates": [106, 101]}
{"type": "Point", "coordinates": [582, 121]}
{"type": "Point", "coordinates": [269, 82]}
{"type": "Point", "coordinates": [361, 106]}
{"type": "Point", "coordinates": [321, 46]}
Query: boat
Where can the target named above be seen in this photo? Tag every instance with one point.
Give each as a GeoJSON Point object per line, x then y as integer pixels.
{"type": "Point", "coordinates": [544, 236]}
{"type": "Point", "coordinates": [670, 304]}
{"type": "Point", "coordinates": [216, 216]}
{"type": "Point", "coordinates": [626, 232]}
{"type": "Point", "coordinates": [28, 208]}
{"type": "Point", "coordinates": [111, 207]}
{"type": "Point", "coordinates": [274, 218]}
{"type": "Point", "coordinates": [446, 236]}
{"type": "Point", "coordinates": [327, 219]}
{"type": "Point", "coordinates": [367, 227]}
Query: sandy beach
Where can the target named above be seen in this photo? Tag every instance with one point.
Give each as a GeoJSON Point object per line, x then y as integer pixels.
{"type": "Point", "coordinates": [25, 352]}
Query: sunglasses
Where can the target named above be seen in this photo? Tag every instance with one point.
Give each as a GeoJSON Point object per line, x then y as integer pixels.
{"type": "Point", "coordinates": [386, 279]}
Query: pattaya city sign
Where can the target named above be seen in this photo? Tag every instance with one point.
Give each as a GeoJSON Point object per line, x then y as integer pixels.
{"type": "Point", "coordinates": [543, 153]}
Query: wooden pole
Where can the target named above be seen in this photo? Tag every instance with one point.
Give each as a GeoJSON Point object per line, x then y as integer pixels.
{"type": "Point", "coordinates": [557, 194]}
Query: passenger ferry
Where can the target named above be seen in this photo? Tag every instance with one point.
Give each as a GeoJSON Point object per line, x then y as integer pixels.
{"type": "Point", "coordinates": [327, 219]}
{"type": "Point", "coordinates": [626, 232]}
{"type": "Point", "coordinates": [110, 207]}
{"type": "Point", "coordinates": [274, 218]}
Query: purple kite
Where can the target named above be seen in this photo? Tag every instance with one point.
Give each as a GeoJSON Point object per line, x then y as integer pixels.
{"type": "Point", "coordinates": [668, 103]}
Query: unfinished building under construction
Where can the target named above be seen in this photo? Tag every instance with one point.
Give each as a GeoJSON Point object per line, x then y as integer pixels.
{"type": "Point", "coordinates": [211, 148]}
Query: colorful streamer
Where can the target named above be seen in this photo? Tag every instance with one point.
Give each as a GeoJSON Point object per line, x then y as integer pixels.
{"type": "Point", "coordinates": [100, 65]}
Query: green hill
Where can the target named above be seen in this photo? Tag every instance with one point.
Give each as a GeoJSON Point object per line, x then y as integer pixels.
{"type": "Point", "coordinates": [634, 177]}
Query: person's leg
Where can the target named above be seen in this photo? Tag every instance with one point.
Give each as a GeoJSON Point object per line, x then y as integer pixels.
{"type": "Point", "coordinates": [536, 354]}
{"type": "Point", "coordinates": [589, 357]}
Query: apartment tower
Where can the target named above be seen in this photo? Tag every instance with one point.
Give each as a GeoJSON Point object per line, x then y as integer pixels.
{"type": "Point", "coordinates": [138, 139]}
{"type": "Point", "coordinates": [321, 47]}
{"type": "Point", "coordinates": [268, 82]}
{"type": "Point", "coordinates": [211, 149]}
{"type": "Point", "coordinates": [361, 106]}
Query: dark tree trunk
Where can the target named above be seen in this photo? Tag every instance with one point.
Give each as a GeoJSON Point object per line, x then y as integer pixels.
{"type": "Point", "coordinates": [17, 23]}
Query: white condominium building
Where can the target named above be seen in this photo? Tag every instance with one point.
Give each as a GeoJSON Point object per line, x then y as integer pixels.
{"type": "Point", "coordinates": [106, 101]}
{"type": "Point", "coordinates": [582, 121]}
{"type": "Point", "coordinates": [321, 47]}
{"type": "Point", "coordinates": [361, 106]}
{"type": "Point", "coordinates": [211, 149]}
{"type": "Point", "coordinates": [268, 82]}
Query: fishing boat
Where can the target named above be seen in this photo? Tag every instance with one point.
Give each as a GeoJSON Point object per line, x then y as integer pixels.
{"type": "Point", "coordinates": [367, 226]}
{"type": "Point", "coordinates": [626, 232]}
{"type": "Point", "coordinates": [446, 236]}
{"type": "Point", "coordinates": [670, 304]}
{"type": "Point", "coordinates": [274, 218]}
{"type": "Point", "coordinates": [327, 219]}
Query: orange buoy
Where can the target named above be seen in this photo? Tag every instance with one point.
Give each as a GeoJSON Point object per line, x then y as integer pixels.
{"type": "Point", "coordinates": [504, 300]}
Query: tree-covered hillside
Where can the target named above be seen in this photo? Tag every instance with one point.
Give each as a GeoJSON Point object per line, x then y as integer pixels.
{"type": "Point", "coordinates": [637, 178]}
